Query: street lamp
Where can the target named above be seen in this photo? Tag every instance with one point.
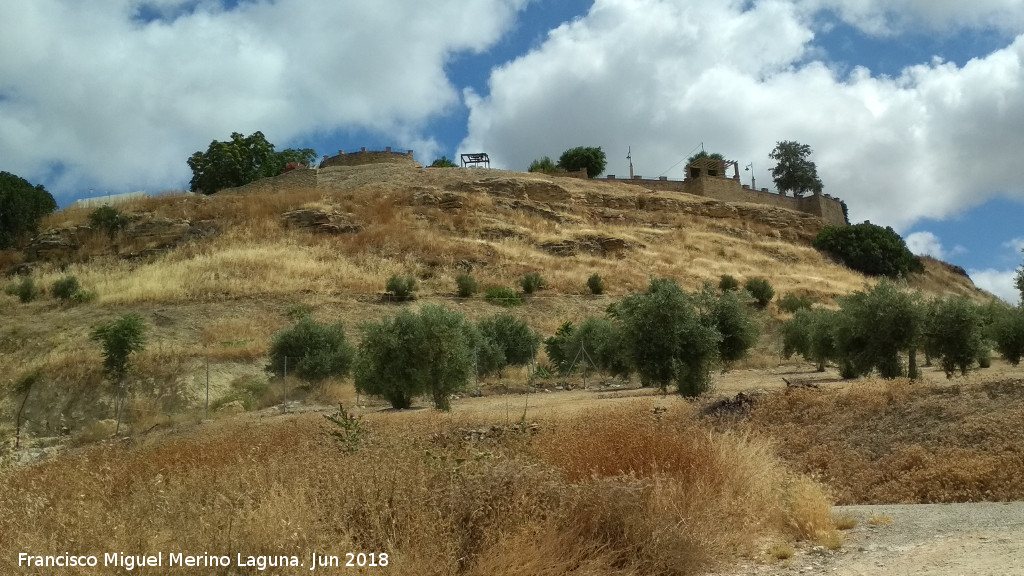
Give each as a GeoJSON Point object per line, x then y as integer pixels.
{"type": "Point", "coordinates": [750, 168]}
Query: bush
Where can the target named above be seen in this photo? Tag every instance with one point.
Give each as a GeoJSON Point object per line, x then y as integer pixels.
{"type": "Point", "coordinates": [596, 284]}
{"type": "Point", "coordinates": [953, 333]}
{"type": "Point", "coordinates": [443, 162]}
{"type": "Point", "coordinates": [83, 296]}
{"type": "Point", "coordinates": [401, 288]}
{"type": "Point", "coordinates": [26, 290]}
{"type": "Point", "coordinates": [599, 343]}
{"type": "Point", "coordinates": [510, 339]}
{"type": "Point", "coordinates": [108, 219]}
{"type": "Point", "coordinates": [531, 282]}
{"type": "Point", "coordinates": [544, 165]}
{"type": "Point", "coordinates": [66, 287]}
{"type": "Point", "coordinates": [557, 350]}
{"type": "Point", "coordinates": [1008, 334]}
{"type": "Point", "coordinates": [416, 353]}
{"type": "Point", "coordinates": [729, 316]}
{"type": "Point", "coordinates": [761, 290]}
{"type": "Point", "coordinates": [466, 285]}
{"type": "Point", "coordinates": [503, 296]}
{"type": "Point", "coordinates": [869, 249]}
{"type": "Point", "coordinates": [791, 303]}
{"type": "Point", "coordinates": [727, 282]}
{"type": "Point", "coordinates": [314, 351]}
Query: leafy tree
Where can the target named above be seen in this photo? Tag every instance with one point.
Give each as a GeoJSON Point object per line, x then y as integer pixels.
{"type": "Point", "coordinates": [793, 172]}
{"type": "Point", "coordinates": [443, 162]}
{"type": "Point", "coordinates": [810, 334]}
{"type": "Point", "coordinates": [875, 326]}
{"type": "Point", "coordinates": [22, 206]}
{"type": "Point", "coordinates": [314, 351]}
{"type": "Point", "coordinates": [1007, 332]}
{"type": "Point", "coordinates": [574, 159]}
{"type": "Point", "coordinates": [120, 339]}
{"type": "Point", "coordinates": [953, 333]}
{"type": "Point", "coordinates": [761, 290]}
{"type": "Point", "coordinates": [792, 302]}
{"type": "Point", "coordinates": [596, 284]}
{"type": "Point", "coordinates": [416, 353]}
{"type": "Point", "coordinates": [598, 342]}
{"type": "Point", "coordinates": [241, 160]}
{"type": "Point", "coordinates": [666, 340]}
{"type": "Point", "coordinates": [869, 249]}
{"type": "Point", "coordinates": [703, 154]}
{"type": "Point", "coordinates": [516, 342]}
{"type": "Point", "coordinates": [727, 314]}
{"type": "Point", "coordinates": [545, 165]}
{"type": "Point", "coordinates": [557, 350]}
{"type": "Point", "coordinates": [1018, 282]}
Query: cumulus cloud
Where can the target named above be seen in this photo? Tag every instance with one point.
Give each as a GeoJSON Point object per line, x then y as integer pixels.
{"type": "Point", "coordinates": [119, 93]}
{"type": "Point", "coordinates": [998, 282]}
{"type": "Point", "coordinates": [925, 244]}
{"type": "Point", "coordinates": [886, 17]}
{"type": "Point", "coordinates": [662, 77]}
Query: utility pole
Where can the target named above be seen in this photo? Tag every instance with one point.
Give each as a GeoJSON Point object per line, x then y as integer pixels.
{"type": "Point", "coordinates": [629, 156]}
{"type": "Point", "coordinates": [753, 183]}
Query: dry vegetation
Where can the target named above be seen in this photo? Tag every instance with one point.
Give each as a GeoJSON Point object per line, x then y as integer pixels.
{"type": "Point", "coordinates": [551, 502]}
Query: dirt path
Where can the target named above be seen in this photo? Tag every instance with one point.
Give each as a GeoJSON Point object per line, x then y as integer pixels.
{"type": "Point", "coordinates": [922, 539]}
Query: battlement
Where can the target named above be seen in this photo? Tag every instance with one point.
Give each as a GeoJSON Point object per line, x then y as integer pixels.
{"type": "Point", "coordinates": [364, 156]}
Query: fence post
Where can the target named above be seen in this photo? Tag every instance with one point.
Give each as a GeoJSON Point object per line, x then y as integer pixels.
{"type": "Point", "coordinates": [284, 400]}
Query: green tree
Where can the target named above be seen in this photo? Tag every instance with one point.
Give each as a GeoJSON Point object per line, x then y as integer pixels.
{"type": "Point", "coordinates": [875, 326]}
{"type": "Point", "coordinates": [597, 342]}
{"type": "Point", "coordinates": [516, 342]}
{"type": "Point", "coordinates": [810, 334]}
{"type": "Point", "coordinates": [666, 340]}
{"type": "Point", "coordinates": [557, 348]}
{"type": "Point", "coordinates": [574, 159]}
{"type": "Point", "coordinates": [727, 314]}
{"type": "Point", "coordinates": [761, 291]}
{"type": "Point", "coordinates": [443, 162]}
{"type": "Point", "coordinates": [596, 284]}
{"type": "Point", "coordinates": [314, 351]}
{"type": "Point", "coordinates": [1018, 282]}
{"type": "Point", "coordinates": [241, 160]}
{"type": "Point", "coordinates": [1007, 332]}
{"type": "Point", "coordinates": [545, 165]}
{"type": "Point", "coordinates": [702, 154]}
{"type": "Point", "coordinates": [120, 339]}
{"type": "Point", "coordinates": [869, 249]}
{"type": "Point", "coordinates": [22, 206]}
{"type": "Point", "coordinates": [793, 171]}
{"type": "Point", "coordinates": [953, 333]}
{"type": "Point", "coordinates": [415, 353]}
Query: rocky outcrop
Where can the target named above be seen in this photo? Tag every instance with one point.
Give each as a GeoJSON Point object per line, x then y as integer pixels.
{"type": "Point", "coordinates": [143, 236]}
{"type": "Point", "coordinates": [520, 188]}
{"type": "Point", "coordinates": [320, 221]}
{"type": "Point", "coordinates": [56, 245]}
{"type": "Point", "coordinates": [596, 245]}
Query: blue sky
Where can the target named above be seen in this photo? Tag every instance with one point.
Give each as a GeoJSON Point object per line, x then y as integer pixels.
{"type": "Point", "coordinates": [915, 109]}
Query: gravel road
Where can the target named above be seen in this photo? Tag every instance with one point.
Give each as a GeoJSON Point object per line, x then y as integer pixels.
{"type": "Point", "coordinates": [923, 539]}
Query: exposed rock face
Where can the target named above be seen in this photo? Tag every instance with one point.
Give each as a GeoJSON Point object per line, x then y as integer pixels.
{"type": "Point", "coordinates": [436, 197]}
{"type": "Point", "coordinates": [320, 221]}
{"type": "Point", "coordinates": [56, 245]}
{"type": "Point", "coordinates": [597, 245]}
{"type": "Point", "coordinates": [520, 188]}
{"type": "Point", "coordinates": [144, 236]}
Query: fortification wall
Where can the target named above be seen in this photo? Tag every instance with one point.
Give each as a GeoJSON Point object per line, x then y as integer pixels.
{"type": "Point", "coordinates": [364, 156]}
{"type": "Point", "coordinates": [730, 190]}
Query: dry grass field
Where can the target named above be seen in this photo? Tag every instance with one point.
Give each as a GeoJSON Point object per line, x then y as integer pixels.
{"type": "Point", "coordinates": [634, 485]}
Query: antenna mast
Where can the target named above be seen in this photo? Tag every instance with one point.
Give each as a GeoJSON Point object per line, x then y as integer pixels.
{"type": "Point", "coordinates": [629, 156]}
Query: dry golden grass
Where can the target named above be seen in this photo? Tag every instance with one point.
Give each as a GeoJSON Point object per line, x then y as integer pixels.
{"type": "Point", "coordinates": [415, 490]}
{"type": "Point", "coordinates": [903, 442]}
{"type": "Point", "coordinates": [882, 520]}
{"type": "Point", "coordinates": [845, 521]}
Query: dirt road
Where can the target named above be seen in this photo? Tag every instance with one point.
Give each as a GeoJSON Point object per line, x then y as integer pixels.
{"type": "Point", "coordinates": [923, 539]}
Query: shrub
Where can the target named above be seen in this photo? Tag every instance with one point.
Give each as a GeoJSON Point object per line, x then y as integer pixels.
{"type": "Point", "coordinates": [466, 285]}
{"type": "Point", "coordinates": [65, 287]}
{"type": "Point", "coordinates": [596, 284]}
{"type": "Point", "coordinates": [791, 303]}
{"type": "Point", "coordinates": [729, 317]}
{"type": "Point", "coordinates": [313, 351]}
{"type": "Point", "coordinates": [599, 343]}
{"type": "Point", "coordinates": [516, 342]}
{"type": "Point", "coordinates": [953, 333]}
{"type": "Point", "coordinates": [544, 165]}
{"type": "Point", "coordinates": [443, 162]}
{"type": "Point", "coordinates": [869, 249]}
{"type": "Point", "coordinates": [120, 339]}
{"type": "Point", "coordinates": [531, 282]}
{"type": "Point", "coordinates": [108, 219]}
{"type": "Point", "coordinates": [727, 282]}
{"type": "Point", "coordinates": [1008, 334]}
{"type": "Point", "coordinates": [557, 350]}
{"type": "Point", "coordinates": [503, 296]}
{"type": "Point", "coordinates": [26, 290]}
{"type": "Point", "coordinates": [665, 339]}
{"type": "Point", "coordinates": [401, 288]}
{"type": "Point", "coordinates": [416, 353]}
{"type": "Point", "coordinates": [761, 290]}
{"type": "Point", "coordinates": [83, 296]}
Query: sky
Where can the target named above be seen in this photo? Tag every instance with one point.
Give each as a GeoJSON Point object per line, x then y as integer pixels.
{"type": "Point", "coordinates": [914, 108]}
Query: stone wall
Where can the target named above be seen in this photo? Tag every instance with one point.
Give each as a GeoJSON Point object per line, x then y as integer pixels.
{"type": "Point", "coordinates": [730, 190]}
{"type": "Point", "coordinates": [365, 156]}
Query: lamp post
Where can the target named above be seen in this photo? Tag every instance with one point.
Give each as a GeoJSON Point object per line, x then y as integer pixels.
{"type": "Point", "coordinates": [753, 183]}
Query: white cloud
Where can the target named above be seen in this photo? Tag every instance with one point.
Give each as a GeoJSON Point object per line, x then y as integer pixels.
{"type": "Point", "coordinates": [998, 282]}
{"type": "Point", "coordinates": [884, 17]}
{"type": "Point", "coordinates": [1017, 245]}
{"type": "Point", "coordinates": [91, 93]}
{"type": "Point", "coordinates": [925, 244]}
{"type": "Point", "coordinates": [664, 76]}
